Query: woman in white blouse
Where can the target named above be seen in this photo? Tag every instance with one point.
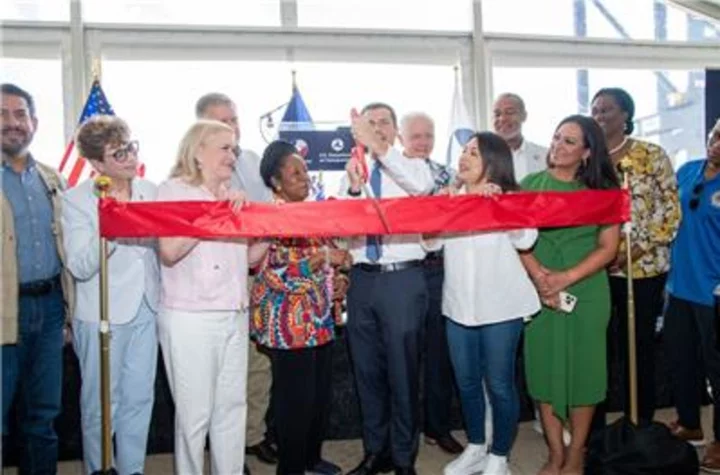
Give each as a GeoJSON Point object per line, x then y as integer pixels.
{"type": "Point", "coordinates": [487, 294]}
{"type": "Point", "coordinates": [203, 321]}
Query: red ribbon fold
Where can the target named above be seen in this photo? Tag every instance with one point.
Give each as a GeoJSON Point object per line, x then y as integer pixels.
{"type": "Point", "coordinates": [340, 218]}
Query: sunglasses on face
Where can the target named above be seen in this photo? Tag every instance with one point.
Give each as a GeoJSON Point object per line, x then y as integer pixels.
{"type": "Point", "coordinates": [695, 199]}
{"type": "Point", "coordinates": [121, 155]}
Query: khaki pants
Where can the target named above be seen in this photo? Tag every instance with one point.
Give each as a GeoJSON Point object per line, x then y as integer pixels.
{"type": "Point", "coordinates": [258, 394]}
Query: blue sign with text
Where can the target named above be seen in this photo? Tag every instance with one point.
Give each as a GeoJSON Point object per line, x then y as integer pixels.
{"type": "Point", "coordinates": [326, 150]}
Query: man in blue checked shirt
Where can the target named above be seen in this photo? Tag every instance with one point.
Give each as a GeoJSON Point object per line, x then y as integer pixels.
{"type": "Point", "coordinates": [417, 135]}
{"type": "Point", "coordinates": [36, 288]}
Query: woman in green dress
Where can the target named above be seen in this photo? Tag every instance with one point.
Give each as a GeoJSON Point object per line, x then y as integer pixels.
{"type": "Point", "coordinates": [565, 350]}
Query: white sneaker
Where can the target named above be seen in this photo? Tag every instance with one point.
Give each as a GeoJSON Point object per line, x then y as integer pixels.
{"type": "Point", "coordinates": [471, 461]}
{"type": "Point", "coordinates": [496, 465]}
{"type": "Point", "coordinates": [537, 427]}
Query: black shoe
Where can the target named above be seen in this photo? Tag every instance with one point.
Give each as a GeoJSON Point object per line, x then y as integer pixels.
{"type": "Point", "coordinates": [264, 451]}
{"type": "Point", "coordinates": [372, 465]}
{"type": "Point", "coordinates": [246, 470]}
{"type": "Point", "coordinates": [112, 471]}
{"type": "Point", "coordinates": [405, 471]}
{"type": "Point", "coordinates": [446, 442]}
{"type": "Point", "coordinates": [323, 467]}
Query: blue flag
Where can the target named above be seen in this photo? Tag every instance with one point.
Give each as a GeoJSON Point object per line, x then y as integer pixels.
{"type": "Point", "coordinates": [296, 112]}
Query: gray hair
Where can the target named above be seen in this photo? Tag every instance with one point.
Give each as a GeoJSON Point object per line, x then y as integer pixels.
{"type": "Point", "coordinates": [513, 97]}
{"type": "Point", "coordinates": [413, 116]}
{"type": "Point", "coordinates": [209, 100]}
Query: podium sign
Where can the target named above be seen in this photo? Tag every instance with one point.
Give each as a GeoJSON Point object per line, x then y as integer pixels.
{"type": "Point", "coordinates": [326, 150]}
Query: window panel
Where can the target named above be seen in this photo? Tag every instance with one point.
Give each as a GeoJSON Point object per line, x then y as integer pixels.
{"type": "Point", "coordinates": [157, 98]}
{"type": "Point", "coordinates": [42, 78]}
{"type": "Point", "coordinates": [212, 12]}
{"type": "Point", "coordinates": [615, 19]}
{"type": "Point", "coordinates": [669, 106]}
{"type": "Point", "coordinates": [35, 10]}
{"type": "Point", "coordinates": [449, 15]}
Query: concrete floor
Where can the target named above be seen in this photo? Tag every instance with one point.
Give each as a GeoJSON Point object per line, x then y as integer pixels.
{"type": "Point", "coordinates": [527, 456]}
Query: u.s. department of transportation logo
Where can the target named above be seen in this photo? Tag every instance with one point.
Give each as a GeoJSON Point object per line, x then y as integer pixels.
{"type": "Point", "coordinates": [337, 144]}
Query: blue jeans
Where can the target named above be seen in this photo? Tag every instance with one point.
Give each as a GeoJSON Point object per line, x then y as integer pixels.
{"type": "Point", "coordinates": [33, 367]}
{"type": "Point", "coordinates": [133, 360]}
{"type": "Point", "coordinates": [487, 353]}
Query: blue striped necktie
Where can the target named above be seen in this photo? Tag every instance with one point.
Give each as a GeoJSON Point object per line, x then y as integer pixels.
{"type": "Point", "coordinates": [374, 243]}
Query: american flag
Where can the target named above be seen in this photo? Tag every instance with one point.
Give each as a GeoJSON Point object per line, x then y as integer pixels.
{"type": "Point", "coordinates": [96, 104]}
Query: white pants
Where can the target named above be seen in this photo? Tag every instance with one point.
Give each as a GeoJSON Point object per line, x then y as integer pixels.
{"type": "Point", "coordinates": [205, 356]}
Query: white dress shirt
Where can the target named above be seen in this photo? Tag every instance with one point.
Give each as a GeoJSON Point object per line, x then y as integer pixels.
{"type": "Point", "coordinates": [133, 268]}
{"type": "Point", "coordinates": [246, 177]}
{"type": "Point", "coordinates": [400, 177]}
{"type": "Point", "coordinates": [529, 158]}
{"type": "Point", "coordinates": [485, 281]}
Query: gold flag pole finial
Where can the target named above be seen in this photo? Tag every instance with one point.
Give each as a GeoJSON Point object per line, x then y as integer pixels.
{"type": "Point", "coordinates": [96, 69]}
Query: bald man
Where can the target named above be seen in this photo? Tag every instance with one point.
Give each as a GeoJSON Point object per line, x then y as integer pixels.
{"type": "Point", "coordinates": [417, 135]}
{"type": "Point", "coordinates": [509, 115]}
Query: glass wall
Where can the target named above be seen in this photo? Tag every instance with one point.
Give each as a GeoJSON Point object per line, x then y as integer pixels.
{"type": "Point", "coordinates": [669, 105]}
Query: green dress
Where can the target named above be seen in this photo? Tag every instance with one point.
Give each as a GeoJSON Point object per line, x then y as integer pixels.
{"type": "Point", "coordinates": [565, 362]}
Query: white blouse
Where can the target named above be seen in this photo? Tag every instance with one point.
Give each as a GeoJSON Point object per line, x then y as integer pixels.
{"type": "Point", "coordinates": [485, 281]}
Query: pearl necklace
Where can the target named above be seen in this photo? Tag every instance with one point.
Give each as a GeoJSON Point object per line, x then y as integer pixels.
{"type": "Point", "coordinates": [619, 147]}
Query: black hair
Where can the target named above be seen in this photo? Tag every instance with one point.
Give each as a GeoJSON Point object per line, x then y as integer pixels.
{"type": "Point", "coordinates": [624, 101]}
{"type": "Point", "coordinates": [597, 171]}
{"type": "Point", "coordinates": [273, 159]}
{"type": "Point", "coordinates": [8, 89]}
{"type": "Point", "coordinates": [381, 105]}
{"type": "Point", "coordinates": [497, 160]}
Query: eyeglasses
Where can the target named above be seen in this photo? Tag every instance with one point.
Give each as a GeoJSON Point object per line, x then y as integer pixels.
{"type": "Point", "coordinates": [695, 200]}
{"type": "Point", "coordinates": [121, 155]}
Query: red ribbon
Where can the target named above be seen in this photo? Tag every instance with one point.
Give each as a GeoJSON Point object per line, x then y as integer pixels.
{"type": "Point", "coordinates": [434, 214]}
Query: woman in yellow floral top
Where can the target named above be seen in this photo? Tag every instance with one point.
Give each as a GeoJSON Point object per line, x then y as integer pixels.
{"type": "Point", "coordinates": [656, 216]}
{"type": "Point", "coordinates": [292, 315]}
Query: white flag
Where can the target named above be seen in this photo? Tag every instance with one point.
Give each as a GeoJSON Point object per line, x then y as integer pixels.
{"type": "Point", "coordinates": [461, 129]}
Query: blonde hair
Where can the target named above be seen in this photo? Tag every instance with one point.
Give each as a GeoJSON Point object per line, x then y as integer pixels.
{"type": "Point", "coordinates": [186, 164]}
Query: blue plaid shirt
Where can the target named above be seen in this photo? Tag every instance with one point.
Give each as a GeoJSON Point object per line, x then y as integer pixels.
{"type": "Point", "coordinates": [31, 203]}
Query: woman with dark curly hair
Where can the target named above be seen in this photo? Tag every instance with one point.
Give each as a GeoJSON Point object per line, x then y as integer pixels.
{"type": "Point", "coordinates": [292, 303]}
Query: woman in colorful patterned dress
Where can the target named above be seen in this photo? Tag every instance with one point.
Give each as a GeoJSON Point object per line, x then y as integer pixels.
{"type": "Point", "coordinates": [565, 351]}
{"type": "Point", "coordinates": [292, 304]}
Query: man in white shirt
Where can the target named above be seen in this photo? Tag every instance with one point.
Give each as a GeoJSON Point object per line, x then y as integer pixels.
{"type": "Point", "coordinates": [509, 115]}
{"type": "Point", "coordinates": [217, 106]}
{"type": "Point", "coordinates": [387, 302]}
{"type": "Point", "coordinates": [417, 135]}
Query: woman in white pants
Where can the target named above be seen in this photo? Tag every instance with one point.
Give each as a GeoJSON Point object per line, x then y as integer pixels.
{"type": "Point", "coordinates": [133, 287]}
{"type": "Point", "coordinates": [203, 322]}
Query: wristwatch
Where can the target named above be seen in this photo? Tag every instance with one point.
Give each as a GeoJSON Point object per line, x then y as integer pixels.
{"type": "Point", "coordinates": [350, 192]}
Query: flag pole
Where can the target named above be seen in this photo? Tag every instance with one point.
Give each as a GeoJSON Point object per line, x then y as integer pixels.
{"type": "Point", "coordinates": [632, 350]}
{"type": "Point", "coordinates": [102, 184]}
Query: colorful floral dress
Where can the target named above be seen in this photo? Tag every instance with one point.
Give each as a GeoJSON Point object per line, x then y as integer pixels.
{"type": "Point", "coordinates": [291, 306]}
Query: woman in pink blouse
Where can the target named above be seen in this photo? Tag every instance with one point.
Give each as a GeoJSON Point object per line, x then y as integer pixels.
{"type": "Point", "coordinates": [203, 323]}
{"type": "Point", "coordinates": [292, 315]}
